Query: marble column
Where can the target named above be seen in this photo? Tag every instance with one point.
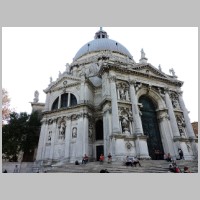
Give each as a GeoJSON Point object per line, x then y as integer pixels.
{"type": "Point", "coordinates": [190, 132]}
{"type": "Point", "coordinates": [47, 106]}
{"type": "Point", "coordinates": [115, 114]}
{"type": "Point", "coordinates": [68, 101]}
{"type": "Point", "coordinates": [59, 102]}
{"type": "Point", "coordinates": [67, 138]}
{"type": "Point", "coordinates": [82, 89]}
{"type": "Point", "coordinates": [41, 146]}
{"type": "Point", "coordinates": [167, 135]}
{"type": "Point", "coordinates": [53, 138]}
{"type": "Point", "coordinates": [172, 117]}
{"type": "Point", "coordinates": [138, 130]}
{"type": "Point", "coordinates": [85, 134]}
{"type": "Point", "coordinates": [106, 132]}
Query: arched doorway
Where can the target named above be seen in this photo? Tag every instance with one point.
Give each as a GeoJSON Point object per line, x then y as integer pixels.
{"type": "Point", "coordinates": [151, 128]}
{"type": "Point", "coordinates": [99, 138]}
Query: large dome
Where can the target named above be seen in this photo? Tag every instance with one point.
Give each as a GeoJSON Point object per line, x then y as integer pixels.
{"type": "Point", "coordinates": [101, 42]}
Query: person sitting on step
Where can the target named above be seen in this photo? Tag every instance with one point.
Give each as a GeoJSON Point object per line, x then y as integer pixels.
{"type": "Point", "coordinates": [129, 161]}
{"type": "Point", "coordinates": [101, 158]}
{"type": "Point", "coordinates": [85, 159]}
{"type": "Point", "coordinates": [168, 158]}
{"type": "Point", "coordinates": [135, 161]}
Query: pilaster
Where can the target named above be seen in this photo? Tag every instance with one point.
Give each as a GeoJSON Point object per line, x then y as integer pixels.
{"type": "Point", "coordinates": [115, 115]}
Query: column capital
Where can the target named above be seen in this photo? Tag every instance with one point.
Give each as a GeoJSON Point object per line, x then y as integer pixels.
{"type": "Point", "coordinates": [132, 82]}
{"type": "Point", "coordinates": [166, 90]}
{"type": "Point", "coordinates": [112, 78]}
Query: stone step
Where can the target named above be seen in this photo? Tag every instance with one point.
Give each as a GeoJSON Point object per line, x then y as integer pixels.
{"type": "Point", "coordinates": [148, 166]}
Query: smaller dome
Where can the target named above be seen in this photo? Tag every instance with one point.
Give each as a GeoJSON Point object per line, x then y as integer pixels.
{"type": "Point", "coordinates": [100, 43]}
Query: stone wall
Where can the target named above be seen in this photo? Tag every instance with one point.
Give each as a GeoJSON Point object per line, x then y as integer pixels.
{"type": "Point", "coordinates": [24, 167]}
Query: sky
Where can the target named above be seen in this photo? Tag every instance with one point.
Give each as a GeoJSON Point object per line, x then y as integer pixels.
{"type": "Point", "coordinates": [31, 55]}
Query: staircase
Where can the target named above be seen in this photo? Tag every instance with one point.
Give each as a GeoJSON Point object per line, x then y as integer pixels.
{"type": "Point", "coordinates": [148, 166]}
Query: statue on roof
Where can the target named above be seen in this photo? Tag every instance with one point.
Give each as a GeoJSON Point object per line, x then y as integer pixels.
{"type": "Point", "coordinates": [67, 68]}
{"type": "Point", "coordinates": [51, 80]}
{"type": "Point", "coordinates": [142, 53]}
{"type": "Point", "coordinates": [172, 72]}
{"type": "Point", "coordinates": [36, 97]}
{"type": "Point", "coordinates": [159, 67]}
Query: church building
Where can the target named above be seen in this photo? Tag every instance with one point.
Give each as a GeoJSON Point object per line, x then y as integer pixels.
{"type": "Point", "coordinates": [105, 102]}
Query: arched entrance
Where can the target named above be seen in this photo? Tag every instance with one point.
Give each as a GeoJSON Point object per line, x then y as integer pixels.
{"type": "Point", "coordinates": [99, 138]}
{"type": "Point", "coordinates": [150, 128]}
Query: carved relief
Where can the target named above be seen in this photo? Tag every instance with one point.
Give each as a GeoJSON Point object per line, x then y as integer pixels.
{"type": "Point", "coordinates": [123, 91]}
{"type": "Point", "coordinates": [174, 99]}
{"type": "Point", "coordinates": [128, 145]}
{"type": "Point", "coordinates": [181, 125]}
{"type": "Point", "coordinates": [61, 127]}
{"type": "Point", "coordinates": [74, 132]}
{"type": "Point", "coordinates": [90, 132]}
{"type": "Point", "coordinates": [125, 117]}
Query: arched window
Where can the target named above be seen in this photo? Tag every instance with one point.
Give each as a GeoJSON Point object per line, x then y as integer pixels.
{"type": "Point", "coordinates": [67, 100]}
{"type": "Point", "coordinates": [64, 100]}
{"type": "Point", "coordinates": [73, 100]}
{"type": "Point", "coordinates": [55, 104]}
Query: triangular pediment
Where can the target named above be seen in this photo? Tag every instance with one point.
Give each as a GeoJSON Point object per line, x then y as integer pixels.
{"type": "Point", "coordinates": [65, 81]}
{"type": "Point", "coordinates": [150, 70]}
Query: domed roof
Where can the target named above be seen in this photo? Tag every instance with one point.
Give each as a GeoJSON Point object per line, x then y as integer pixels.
{"type": "Point", "coordinates": [101, 42]}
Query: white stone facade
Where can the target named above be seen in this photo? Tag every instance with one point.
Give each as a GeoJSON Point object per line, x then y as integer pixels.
{"type": "Point", "coordinates": [94, 107]}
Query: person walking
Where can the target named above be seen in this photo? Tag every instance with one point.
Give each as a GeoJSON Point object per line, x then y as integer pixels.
{"type": "Point", "coordinates": [180, 153]}
{"type": "Point", "coordinates": [109, 158]}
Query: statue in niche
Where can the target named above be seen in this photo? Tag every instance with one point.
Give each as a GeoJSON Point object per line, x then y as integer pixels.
{"type": "Point", "coordinates": [175, 103]}
{"type": "Point", "coordinates": [125, 124]}
{"type": "Point", "coordinates": [36, 97]}
{"type": "Point", "coordinates": [181, 125]}
{"type": "Point", "coordinates": [90, 132]}
{"type": "Point", "coordinates": [122, 94]}
{"type": "Point", "coordinates": [62, 131]}
{"type": "Point", "coordinates": [74, 132]}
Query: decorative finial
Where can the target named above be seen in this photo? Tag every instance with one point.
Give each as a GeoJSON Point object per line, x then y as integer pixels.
{"type": "Point", "coordinates": [59, 75]}
{"type": "Point", "coordinates": [50, 79]}
{"type": "Point", "coordinates": [101, 28]}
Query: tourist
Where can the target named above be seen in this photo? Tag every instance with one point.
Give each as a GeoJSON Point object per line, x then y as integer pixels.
{"type": "Point", "coordinates": [186, 170]}
{"type": "Point", "coordinates": [129, 161]}
{"type": "Point", "coordinates": [109, 158]}
{"type": "Point", "coordinates": [135, 161]}
{"type": "Point", "coordinates": [5, 171]}
{"type": "Point", "coordinates": [180, 153]}
{"type": "Point", "coordinates": [16, 170]}
{"type": "Point", "coordinates": [168, 158]}
{"type": "Point", "coordinates": [85, 159]}
{"type": "Point", "coordinates": [76, 162]}
{"type": "Point", "coordinates": [101, 159]}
